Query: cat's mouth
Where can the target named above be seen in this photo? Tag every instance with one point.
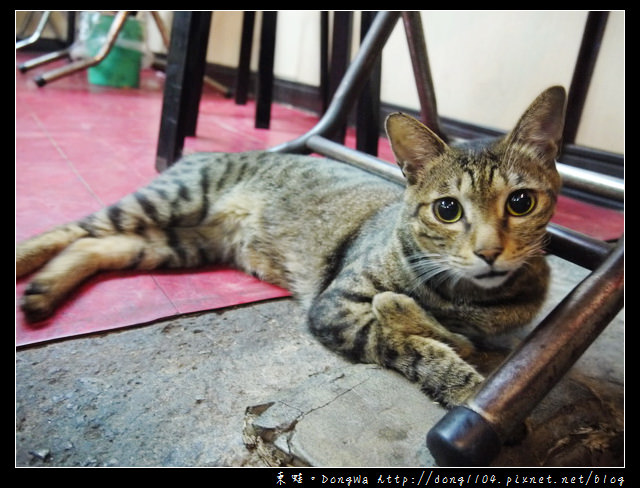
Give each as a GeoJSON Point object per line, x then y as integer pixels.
{"type": "Point", "coordinates": [491, 274]}
{"type": "Point", "coordinates": [491, 278]}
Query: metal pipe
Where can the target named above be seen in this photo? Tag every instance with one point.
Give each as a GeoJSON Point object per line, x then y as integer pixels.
{"type": "Point", "coordinates": [576, 247]}
{"type": "Point", "coordinates": [114, 30]}
{"type": "Point", "coordinates": [162, 29]}
{"type": "Point", "coordinates": [37, 33]}
{"type": "Point", "coordinates": [472, 434]}
{"type": "Point", "coordinates": [44, 59]}
{"type": "Point", "coordinates": [359, 159]}
{"type": "Point", "coordinates": [591, 182]}
{"type": "Point", "coordinates": [422, 72]}
{"type": "Point", "coordinates": [350, 86]}
{"type": "Point", "coordinates": [583, 71]}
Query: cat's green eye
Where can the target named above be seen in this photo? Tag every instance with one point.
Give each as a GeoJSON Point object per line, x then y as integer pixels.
{"type": "Point", "coordinates": [447, 210]}
{"type": "Point", "coordinates": [521, 202]}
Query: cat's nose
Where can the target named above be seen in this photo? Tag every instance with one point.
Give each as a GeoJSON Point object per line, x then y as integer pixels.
{"type": "Point", "coordinates": [489, 255]}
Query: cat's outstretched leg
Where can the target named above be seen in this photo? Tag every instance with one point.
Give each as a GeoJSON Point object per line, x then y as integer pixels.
{"type": "Point", "coordinates": [424, 350]}
{"type": "Point", "coordinates": [35, 252]}
{"type": "Point", "coordinates": [70, 257]}
{"type": "Point", "coordinates": [394, 331]}
{"type": "Point", "coordinates": [402, 314]}
{"type": "Point", "coordinates": [81, 259]}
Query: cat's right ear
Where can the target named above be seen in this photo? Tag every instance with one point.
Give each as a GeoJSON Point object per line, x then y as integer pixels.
{"type": "Point", "coordinates": [414, 145]}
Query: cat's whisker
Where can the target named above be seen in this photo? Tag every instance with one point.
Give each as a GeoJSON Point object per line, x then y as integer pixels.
{"type": "Point", "coordinates": [535, 248]}
{"type": "Point", "coordinates": [430, 267]}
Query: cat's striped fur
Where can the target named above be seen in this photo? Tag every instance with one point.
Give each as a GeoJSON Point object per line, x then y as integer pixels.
{"type": "Point", "coordinates": [388, 275]}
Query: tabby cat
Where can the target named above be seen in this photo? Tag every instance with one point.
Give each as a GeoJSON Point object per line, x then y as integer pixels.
{"type": "Point", "coordinates": [406, 278]}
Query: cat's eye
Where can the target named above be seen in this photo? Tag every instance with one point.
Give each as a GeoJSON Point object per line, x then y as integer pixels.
{"type": "Point", "coordinates": [447, 210]}
{"type": "Point", "coordinates": [521, 202]}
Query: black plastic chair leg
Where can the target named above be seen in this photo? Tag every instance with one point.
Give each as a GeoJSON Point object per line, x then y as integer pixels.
{"type": "Point", "coordinates": [183, 84]}
{"type": "Point", "coordinates": [264, 93]}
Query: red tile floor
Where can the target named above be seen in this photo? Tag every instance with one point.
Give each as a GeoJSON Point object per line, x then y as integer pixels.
{"type": "Point", "coordinates": [80, 147]}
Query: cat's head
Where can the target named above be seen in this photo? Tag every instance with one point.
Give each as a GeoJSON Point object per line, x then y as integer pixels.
{"type": "Point", "coordinates": [480, 212]}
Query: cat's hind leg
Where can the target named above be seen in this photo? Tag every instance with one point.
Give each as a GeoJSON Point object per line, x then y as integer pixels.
{"type": "Point", "coordinates": [35, 252]}
{"type": "Point", "coordinates": [81, 259]}
{"type": "Point", "coordinates": [151, 248]}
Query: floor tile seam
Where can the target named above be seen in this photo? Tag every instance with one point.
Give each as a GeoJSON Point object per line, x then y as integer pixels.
{"type": "Point", "coordinates": [176, 308]}
{"type": "Point", "coordinates": [68, 161]}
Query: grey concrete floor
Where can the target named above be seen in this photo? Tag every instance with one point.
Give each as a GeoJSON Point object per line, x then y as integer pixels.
{"type": "Point", "coordinates": [186, 391]}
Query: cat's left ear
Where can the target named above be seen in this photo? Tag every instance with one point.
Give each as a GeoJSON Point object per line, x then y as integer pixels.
{"type": "Point", "coordinates": [542, 125]}
{"type": "Point", "coordinates": [414, 145]}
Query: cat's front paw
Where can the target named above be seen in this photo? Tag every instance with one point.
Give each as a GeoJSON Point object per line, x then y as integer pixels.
{"type": "Point", "coordinates": [442, 373]}
{"type": "Point", "coordinates": [457, 394]}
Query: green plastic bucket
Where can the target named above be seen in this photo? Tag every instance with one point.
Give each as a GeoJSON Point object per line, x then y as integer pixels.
{"type": "Point", "coordinates": [121, 67]}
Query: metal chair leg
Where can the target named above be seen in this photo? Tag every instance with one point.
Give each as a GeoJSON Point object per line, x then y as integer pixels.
{"type": "Point", "coordinates": [359, 70]}
{"type": "Point", "coordinates": [422, 72]}
{"type": "Point", "coordinates": [183, 85]}
{"type": "Point", "coordinates": [368, 108]}
{"type": "Point", "coordinates": [351, 85]}
{"type": "Point", "coordinates": [44, 59]}
{"type": "Point", "coordinates": [244, 61]}
{"type": "Point", "coordinates": [114, 30]}
{"type": "Point", "coordinates": [37, 33]}
{"type": "Point", "coordinates": [264, 91]}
